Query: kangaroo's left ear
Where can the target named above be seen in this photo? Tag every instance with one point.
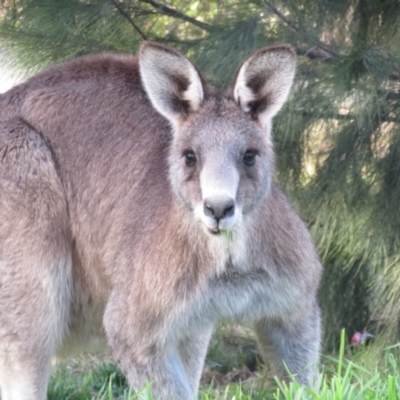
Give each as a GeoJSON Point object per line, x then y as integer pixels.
{"type": "Point", "coordinates": [264, 81]}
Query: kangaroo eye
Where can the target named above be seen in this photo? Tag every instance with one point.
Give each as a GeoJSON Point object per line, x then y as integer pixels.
{"type": "Point", "coordinates": [190, 158]}
{"type": "Point", "coordinates": [249, 157]}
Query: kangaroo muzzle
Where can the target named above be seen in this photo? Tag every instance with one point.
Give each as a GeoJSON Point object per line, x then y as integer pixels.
{"type": "Point", "coordinates": [219, 189]}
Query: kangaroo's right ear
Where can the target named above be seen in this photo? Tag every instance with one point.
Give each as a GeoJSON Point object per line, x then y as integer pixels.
{"type": "Point", "coordinates": [171, 81]}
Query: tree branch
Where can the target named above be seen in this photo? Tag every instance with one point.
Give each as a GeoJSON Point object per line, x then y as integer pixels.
{"type": "Point", "coordinates": [128, 18]}
{"type": "Point", "coordinates": [177, 14]}
{"type": "Point", "coordinates": [347, 117]}
{"type": "Point", "coordinates": [389, 94]}
{"type": "Point", "coordinates": [312, 54]}
{"type": "Point", "coordinates": [306, 35]}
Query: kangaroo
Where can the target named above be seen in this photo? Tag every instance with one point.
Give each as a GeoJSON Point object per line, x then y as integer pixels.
{"type": "Point", "coordinates": [137, 209]}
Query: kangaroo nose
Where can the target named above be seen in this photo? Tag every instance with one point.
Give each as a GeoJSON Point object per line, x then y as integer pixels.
{"type": "Point", "coordinates": [219, 209]}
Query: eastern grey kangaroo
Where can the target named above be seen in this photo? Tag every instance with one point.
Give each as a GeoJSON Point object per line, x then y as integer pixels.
{"type": "Point", "coordinates": [138, 208]}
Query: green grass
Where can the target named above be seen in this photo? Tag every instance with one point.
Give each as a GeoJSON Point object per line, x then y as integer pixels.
{"type": "Point", "coordinates": [341, 378]}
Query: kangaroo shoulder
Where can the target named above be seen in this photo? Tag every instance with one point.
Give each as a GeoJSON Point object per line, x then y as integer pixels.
{"type": "Point", "coordinates": [99, 69]}
{"type": "Point", "coordinates": [26, 160]}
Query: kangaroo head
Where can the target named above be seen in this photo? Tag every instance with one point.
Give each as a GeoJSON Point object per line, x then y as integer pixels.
{"type": "Point", "coordinates": [221, 157]}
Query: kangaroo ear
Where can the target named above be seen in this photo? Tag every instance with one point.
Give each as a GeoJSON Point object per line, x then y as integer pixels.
{"type": "Point", "coordinates": [264, 81]}
{"type": "Point", "coordinates": [171, 81]}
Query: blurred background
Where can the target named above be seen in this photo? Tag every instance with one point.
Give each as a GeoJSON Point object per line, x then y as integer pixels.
{"type": "Point", "coordinates": [337, 139]}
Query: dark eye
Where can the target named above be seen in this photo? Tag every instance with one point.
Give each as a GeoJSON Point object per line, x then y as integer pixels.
{"type": "Point", "coordinates": [249, 157]}
{"type": "Point", "coordinates": [190, 158]}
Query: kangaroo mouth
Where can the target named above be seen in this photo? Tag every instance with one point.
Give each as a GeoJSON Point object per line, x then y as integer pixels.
{"type": "Point", "coordinates": [228, 235]}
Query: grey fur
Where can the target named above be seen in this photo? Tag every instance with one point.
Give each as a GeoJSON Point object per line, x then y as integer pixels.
{"type": "Point", "coordinates": [105, 232]}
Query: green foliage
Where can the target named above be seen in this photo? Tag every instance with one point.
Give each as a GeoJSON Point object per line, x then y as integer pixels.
{"type": "Point", "coordinates": [86, 379]}
{"type": "Point", "coordinates": [338, 140]}
{"type": "Point", "coordinates": [342, 378]}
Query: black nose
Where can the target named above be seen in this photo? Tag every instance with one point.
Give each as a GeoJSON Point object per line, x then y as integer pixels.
{"type": "Point", "coordinates": [219, 209]}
